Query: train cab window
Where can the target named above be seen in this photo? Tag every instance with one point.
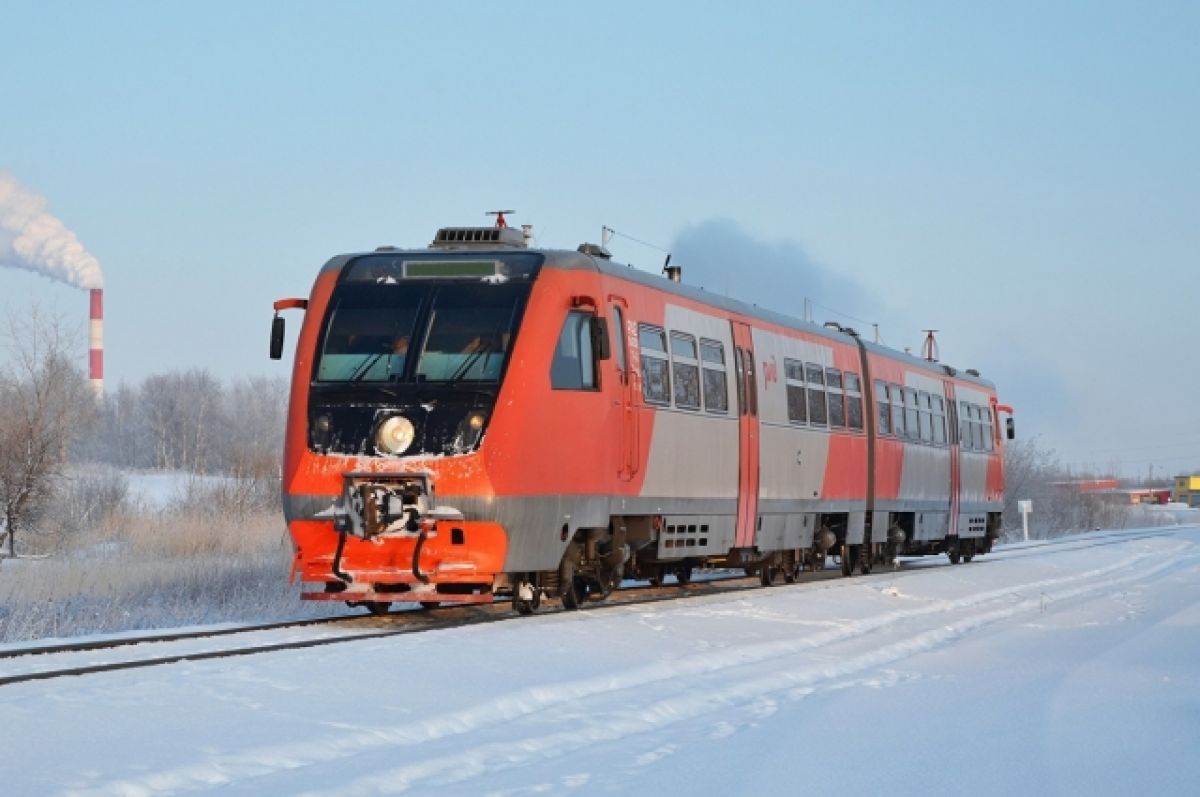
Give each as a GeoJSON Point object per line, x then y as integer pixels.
{"type": "Point", "coordinates": [574, 367]}
{"type": "Point", "coordinates": [939, 421]}
{"type": "Point", "coordinates": [988, 429]}
{"type": "Point", "coordinates": [797, 402]}
{"type": "Point", "coordinates": [685, 370]}
{"type": "Point", "coordinates": [884, 407]}
{"type": "Point", "coordinates": [854, 406]}
{"type": "Point", "coordinates": [818, 411]}
{"type": "Point", "coordinates": [618, 341]}
{"type": "Point", "coordinates": [925, 410]}
{"type": "Point", "coordinates": [716, 383]}
{"type": "Point", "coordinates": [897, 394]}
{"type": "Point", "coordinates": [836, 397]}
{"type": "Point", "coordinates": [656, 368]}
{"type": "Point", "coordinates": [911, 414]}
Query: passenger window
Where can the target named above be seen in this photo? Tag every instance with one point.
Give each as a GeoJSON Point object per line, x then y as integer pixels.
{"type": "Point", "coordinates": [925, 406]}
{"type": "Point", "coordinates": [797, 403]}
{"type": "Point", "coordinates": [964, 425]}
{"type": "Point", "coordinates": [818, 412]}
{"type": "Point", "coordinates": [618, 334]}
{"type": "Point", "coordinates": [656, 369]}
{"type": "Point", "coordinates": [939, 420]}
{"type": "Point", "coordinates": [686, 370]}
{"type": "Point", "coordinates": [716, 383]}
{"type": "Point", "coordinates": [883, 406]}
{"type": "Point", "coordinates": [574, 367]}
{"type": "Point", "coordinates": [911, 423]}
{"type": "Point", "coordinates": [897, 394]}
{"type": "Point", "coordinates": [837, 401]}
{"type": "Point", "coordinates": [854, 407]}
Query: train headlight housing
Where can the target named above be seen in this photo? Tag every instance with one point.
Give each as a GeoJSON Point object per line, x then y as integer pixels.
{"type": "Point", "coordinates": [470, 429]}
{"type": "Point", "coordinates": [395, 435]}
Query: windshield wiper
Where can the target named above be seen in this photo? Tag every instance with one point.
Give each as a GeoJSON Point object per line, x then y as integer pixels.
{"type": "Point", "coordinates": [485, 346]}
{"type": "Point", "coordinates": [365, 368]}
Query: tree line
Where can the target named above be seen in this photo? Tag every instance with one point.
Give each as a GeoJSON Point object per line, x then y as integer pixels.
{"type": "Point", "coordinates": [189, 420]}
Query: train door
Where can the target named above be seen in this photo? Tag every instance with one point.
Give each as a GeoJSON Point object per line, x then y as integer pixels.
{"type": "Point", "coordinates": [748, 449]}
{"type": "Point", "coordinates": [952, 436]}
{"type": "Point", "coordinates": [627, 466]}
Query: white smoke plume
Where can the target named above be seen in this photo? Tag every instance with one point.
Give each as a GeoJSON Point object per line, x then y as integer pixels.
{"type": "Point", "coordinates": [33, 239]}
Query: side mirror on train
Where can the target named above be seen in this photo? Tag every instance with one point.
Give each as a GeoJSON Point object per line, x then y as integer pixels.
{"type": "Point", "coordinates": [601, 349]}
{"type": "Point", "coordinates": [1011, 428]}
{"type": "Point", "coordinates": [277, 338]}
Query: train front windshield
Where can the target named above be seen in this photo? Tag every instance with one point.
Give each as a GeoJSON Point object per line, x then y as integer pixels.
{"type": "Point", "coordinates": [419, 331]}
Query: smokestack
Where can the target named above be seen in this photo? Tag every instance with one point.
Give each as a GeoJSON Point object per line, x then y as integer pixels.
{"type": "Point", "coordinates": [34, 239]}
{"type": "Point", "coordinates": [96, 338]}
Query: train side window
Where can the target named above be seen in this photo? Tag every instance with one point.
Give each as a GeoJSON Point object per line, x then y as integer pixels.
{"type": "Point", "coordinates": [685, 369]}
{"type": "Point", "coordinates": [618, 342]}
{"type": "Point", "coordinates": [574, 367]}
{"type": "Point", "coordinates": [818, 411]}
{"type": "Point", "coordinates": [911, 423]}
{"type": "Point", "coordinates": [883, 406]}
{"type": "Point", "coordinates": [925, 408]}
{"type": "Point", "coordinates": [897, 394]}
{"type": "Point", "coordinates": [797, 403]}
{"type": "Point", "coordinates": [837, 398]}
{"type": "Point", "coordinates": [739, 364]}
{"type": "Point", "coordinates": [656, 368]}
{"type": "Point", "coordinates": [989, 431]}
{"type": "Point", "coordinates": [965, 438]}
{"type": "Point", "coordinates": [854, 406]}
{"type": "Point", "coordinates": [716, 383]}
{"type": "Point", "coordinates": [939, 421]}
{"type": "Point", "coordinates": [977, 428]}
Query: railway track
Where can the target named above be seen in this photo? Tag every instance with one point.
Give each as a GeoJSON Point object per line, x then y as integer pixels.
{"type": "Point", "coordinates": [60, 660]}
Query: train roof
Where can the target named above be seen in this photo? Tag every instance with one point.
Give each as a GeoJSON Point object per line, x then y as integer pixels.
{"type": "Point", "coordinates": [585, 261]}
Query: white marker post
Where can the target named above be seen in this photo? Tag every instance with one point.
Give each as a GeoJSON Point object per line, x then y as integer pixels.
{"type": "Point", "coordinates": [1025, 507]}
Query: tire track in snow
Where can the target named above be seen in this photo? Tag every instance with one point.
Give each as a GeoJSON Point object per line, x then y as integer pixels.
{"type": "Point", "coordinates": [223, 770]}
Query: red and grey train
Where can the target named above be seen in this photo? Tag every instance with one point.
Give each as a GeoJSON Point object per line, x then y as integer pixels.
{"type": "Point", "coordinates": [481, 419]}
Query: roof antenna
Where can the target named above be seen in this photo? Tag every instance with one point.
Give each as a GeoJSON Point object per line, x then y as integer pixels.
{"type": "Point", "coordinates": [930, 349]}
{"type": "Point", "coordinates": [501, 222]}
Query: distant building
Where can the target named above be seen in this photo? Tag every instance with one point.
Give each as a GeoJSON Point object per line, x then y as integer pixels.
{"type": "Point", "coordinates": [1187, 490]}
{"type": "Point", "coordinates": [1109, 490]}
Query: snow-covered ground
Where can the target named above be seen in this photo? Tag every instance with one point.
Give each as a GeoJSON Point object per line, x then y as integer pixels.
{"type": "Point", "coordinates": [1071, 668]}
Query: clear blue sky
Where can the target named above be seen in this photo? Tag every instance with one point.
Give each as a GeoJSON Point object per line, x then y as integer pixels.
{"type": "Point", "coordinates": [1024, 177]}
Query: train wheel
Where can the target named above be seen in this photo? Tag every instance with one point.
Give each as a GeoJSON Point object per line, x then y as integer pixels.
{"type": "Point", "coordinates": [849, 554]}
{"type": "Point", "coordinates": [968, 550]}
{"type": "Point", "coordinates": [954, 552]}
{"type": "Point", "coordinates": [864, 562]}
{"type": "Point", "coordinates": [683, 574]}
{"type": "Point", "coordinates": [377, 607]}
{"type": "Point", "coordinates": [791, 570]}
{"type": "Point", "coordinates": [660, 575]}
{"type": "Point", "coordinates": [427, 605]}
{"type": "Point", "coordinates": [574, 593]}
{"type": "Point", "coordinates": [527, 607]}
{"type": "Point", "coordinates": [766, 575]}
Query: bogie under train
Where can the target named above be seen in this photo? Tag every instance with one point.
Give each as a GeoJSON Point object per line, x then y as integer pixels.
{"type": "Point", "coordinates": [481, 419]}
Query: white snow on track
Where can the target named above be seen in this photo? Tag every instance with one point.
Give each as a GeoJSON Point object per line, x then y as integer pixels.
{"type": "Point", "coordinates": [1060, 669]}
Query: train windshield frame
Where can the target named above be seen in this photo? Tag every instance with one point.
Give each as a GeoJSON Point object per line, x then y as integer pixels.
{"type": "Point", "coordinates": [423, 331]}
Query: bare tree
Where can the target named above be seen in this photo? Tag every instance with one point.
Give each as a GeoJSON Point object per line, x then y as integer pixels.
{"type": "Point", "coordinates": [45, 402]}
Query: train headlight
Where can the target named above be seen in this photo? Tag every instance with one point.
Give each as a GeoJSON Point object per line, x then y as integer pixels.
{"type": "Point", "coordinates": [395, 435]}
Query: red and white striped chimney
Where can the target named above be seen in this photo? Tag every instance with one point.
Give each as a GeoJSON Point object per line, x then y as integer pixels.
{"type": "Point", "coordinates": [96, 336]}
